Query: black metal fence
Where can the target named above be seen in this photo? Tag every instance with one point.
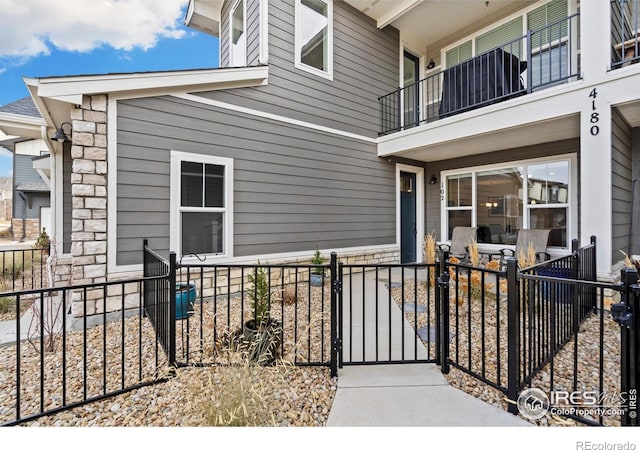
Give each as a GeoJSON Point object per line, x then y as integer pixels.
{"type": "Point", "coordinates": [220, 310]}
{"type": "Point", "coordinates": [547, 326]}
{"type": "Point", "coordinates": [388, 313]}
{"type": "Point", "coordinates": [57, 361]}
{"type": "Point", "coordinates": [474, 333]}
{"type": "Point", "coordinates": [158, 298]}
{"type": "Point", "coordinates": [542, 58]}
{"type": "Point", "coordinates": [22, 269]}
{"type": "Point", "coordinates": [625, 25]}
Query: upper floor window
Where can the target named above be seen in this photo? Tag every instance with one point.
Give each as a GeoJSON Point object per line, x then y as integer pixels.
{"type": "Point", "coordinates": [238, 35]}
{"type": "Point", "coordinates": [314, 36]}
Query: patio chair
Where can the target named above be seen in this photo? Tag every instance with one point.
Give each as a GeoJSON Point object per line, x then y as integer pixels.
{"type": "Point", "coordinates": [460, 239]}
{"type": "Point", "coordinates": [538, 238]}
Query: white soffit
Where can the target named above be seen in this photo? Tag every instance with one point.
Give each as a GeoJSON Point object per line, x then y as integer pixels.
{"type": "Point", "coordinates": [204, 16]}
{"type": "Point", "coordinates": [423, 22]}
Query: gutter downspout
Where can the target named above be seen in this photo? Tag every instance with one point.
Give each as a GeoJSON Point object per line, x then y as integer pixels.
{"type": "Point", "coordinates": [24, 216]}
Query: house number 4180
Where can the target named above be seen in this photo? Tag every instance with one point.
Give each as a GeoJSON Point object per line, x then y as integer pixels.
{"type": "Point", "coordinates": [595, 117]}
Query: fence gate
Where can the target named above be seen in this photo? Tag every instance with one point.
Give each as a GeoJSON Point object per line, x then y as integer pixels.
{"type": "Point", "coordinates": [387, 313]}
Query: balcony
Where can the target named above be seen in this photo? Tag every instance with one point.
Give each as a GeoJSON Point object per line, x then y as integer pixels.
{"type": "Point", "coordinates": [540, 59]}
{"type": "Point", "coordinates": [625, 33]}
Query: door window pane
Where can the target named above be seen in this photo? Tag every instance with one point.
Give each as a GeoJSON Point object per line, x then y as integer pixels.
{"type": "Point", "coordinates": [202, 232]}
{"type": "Point", "coordinates": [499, 209]}
{"type": "Point", "coordinates": [314, 29]}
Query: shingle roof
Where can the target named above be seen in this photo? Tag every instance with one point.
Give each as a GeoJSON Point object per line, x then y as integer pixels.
{"type": "Point", "coordinates": [30, 186]}
{"type": "Point", "coordinates": [23, 107]}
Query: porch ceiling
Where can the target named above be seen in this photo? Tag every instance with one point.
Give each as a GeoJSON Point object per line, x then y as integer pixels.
{"type": "Point", "coordinates": [557, 129]}
{"type": "Point", "coordinates": [423, 22]}
{"type": "Point", "coordinates": [631, 113]}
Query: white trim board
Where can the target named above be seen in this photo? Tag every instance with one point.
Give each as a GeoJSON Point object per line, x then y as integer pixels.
{"type": "Point", "coordinates": [276, 117]}
{"type": "Point", "coordinates": [69, 88]}
{"type": "Point", "coordinates": [275, 258]}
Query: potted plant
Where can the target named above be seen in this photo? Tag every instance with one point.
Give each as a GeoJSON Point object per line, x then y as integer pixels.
{"type": "Point", "coordinates": [262, 335]}
{"type": "Point", "coordinates": [317, 273]}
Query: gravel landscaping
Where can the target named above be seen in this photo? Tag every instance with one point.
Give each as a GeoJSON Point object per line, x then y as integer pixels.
{"type": "Point", "coordinates": [477, 334]}
{"type": "Point", "coordinates": [282, 395]}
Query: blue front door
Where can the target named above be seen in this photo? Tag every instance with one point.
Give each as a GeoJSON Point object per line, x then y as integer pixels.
{"type": "Point", "coordinates": [408, 225]}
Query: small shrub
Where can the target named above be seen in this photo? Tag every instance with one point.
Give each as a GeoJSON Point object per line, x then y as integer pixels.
{"type": "Point", "coordinates": [317, 260]}
{"type": "Point", "coordinates": [7, 305]}
{"type": "Point", "coordinates": [289, 296]}
{"type": "Point", "coordinates": [43, 241]}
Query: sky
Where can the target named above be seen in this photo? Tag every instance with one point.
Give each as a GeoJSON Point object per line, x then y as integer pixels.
{"type": "Point", "coordinates": [42, 38]}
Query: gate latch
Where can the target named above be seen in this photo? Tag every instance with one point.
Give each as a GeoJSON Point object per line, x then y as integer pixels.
{"type": "Point", "coordinates": [621, 313]}
{"type": "Point", "coordinates": [443, 280]}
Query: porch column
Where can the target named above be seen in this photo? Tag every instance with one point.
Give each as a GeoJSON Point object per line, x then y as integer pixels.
{"type": "Point", "coordinates": [596, 132]}
{"type": "Point", "coordinates": [89, 196]}
{"type": "Point", "coordinates": [595, 40]}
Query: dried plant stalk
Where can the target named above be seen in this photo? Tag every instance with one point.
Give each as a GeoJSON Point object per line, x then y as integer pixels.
{"type": "Point", "coordinates": [430, 248]}
{"type": "Point", "coordinates": [474, 253]}
{"type": "Point", "coordinates": [527, 258]}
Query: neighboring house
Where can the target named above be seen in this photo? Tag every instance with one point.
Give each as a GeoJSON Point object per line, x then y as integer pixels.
{"type": "Point", "coordinates": [6, 199]}
{"type": "Point", "coordinates": [302, 139]}
{"type": "Point", "coordinates": [30, 196]}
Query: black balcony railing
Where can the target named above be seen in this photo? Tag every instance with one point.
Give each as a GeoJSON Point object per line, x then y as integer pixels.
{"type": "Point", "coordinates": [544, 57]}
{"type": "Point", "coordinates": [625, 36]}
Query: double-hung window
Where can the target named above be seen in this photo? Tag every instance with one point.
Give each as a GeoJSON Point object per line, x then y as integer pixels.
{"type": "Point", "coordinates": [314, 37]}
{"type": "Point", "coordinates": [202, 199]}
{"type": "Point", "coordinates": [504, 199]}
{"type": "Point", "coordinates": [238, 35]}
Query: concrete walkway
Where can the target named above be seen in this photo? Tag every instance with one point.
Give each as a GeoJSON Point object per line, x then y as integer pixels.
{"type": "Point", "coordinates": [409, 395]}
{"type": "Point", "coordinates": [397, 394]}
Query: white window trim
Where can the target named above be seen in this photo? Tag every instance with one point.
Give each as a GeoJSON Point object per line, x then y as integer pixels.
{"type": "Point", "coordinates": [571, 9]}
{"type": "Point", "coordinates": [232, 63]}
{"type": "Point", "coordinates": [298, 63]}
{"type": "Point", "coordinates": [175, 208]}
{"type": "Point", "coordinates": [571, 205]}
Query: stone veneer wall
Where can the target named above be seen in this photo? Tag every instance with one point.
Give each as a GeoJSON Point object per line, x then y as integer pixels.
{"type": "Point", "coordinates": [230, 281]}
{"type": "Point", "coordinates": [32, 227]}
{"type": "Point", "coordinates": [89, 197]}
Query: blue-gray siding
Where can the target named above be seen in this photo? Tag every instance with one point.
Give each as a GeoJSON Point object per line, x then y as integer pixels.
{"type": "Point", "coordinates": [295, 189]}
{"type": "Point", "coordinates": [67, 201]}
{"type": "Point", "coordinates": [635, 230]}
{"type": "Point", "coordinates": [621, 176]}
{"type": "Point", "coordinates": [365, 67]}
{"type": "Point", "coordinates": [23, 172]}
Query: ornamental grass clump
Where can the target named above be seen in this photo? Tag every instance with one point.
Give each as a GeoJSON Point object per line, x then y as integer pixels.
{"type": "Point", "coordinates": [430, 256]}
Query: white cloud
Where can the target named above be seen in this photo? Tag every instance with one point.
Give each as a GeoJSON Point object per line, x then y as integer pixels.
{"type": "Point", "coordinates": [32, 27]}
